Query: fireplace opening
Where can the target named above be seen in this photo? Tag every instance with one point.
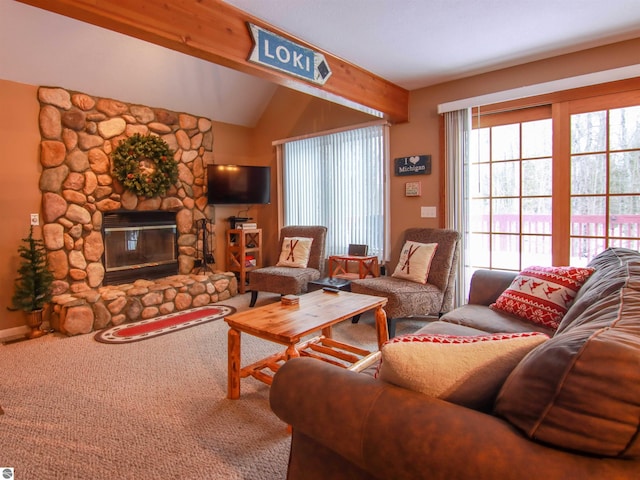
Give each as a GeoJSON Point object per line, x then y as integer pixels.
{"type": "Point", "coordinates": [141, 244]}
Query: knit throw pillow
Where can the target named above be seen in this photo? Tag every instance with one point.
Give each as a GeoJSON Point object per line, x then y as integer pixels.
{"type": "Point", "coordinates": [543, 295]}
{"type": "Point", "coordinates": [295, 252]}
{"type": "Point", "coordinates": [466, 370]}
{"type": "Point", "coordinates": [415, 261]}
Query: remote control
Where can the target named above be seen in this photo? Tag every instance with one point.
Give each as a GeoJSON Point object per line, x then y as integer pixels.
{"type": "Point", "coordinates": [331, 290]}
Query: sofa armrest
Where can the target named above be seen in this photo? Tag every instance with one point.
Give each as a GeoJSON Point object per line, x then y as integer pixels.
{"type": "Point", "coordinates": [487, 285]}
{"type": "Point", "coordinates": [391, 432]}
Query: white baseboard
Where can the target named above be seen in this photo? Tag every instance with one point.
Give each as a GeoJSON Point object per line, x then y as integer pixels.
{"type": "Point", "coordinates": [13, 332]}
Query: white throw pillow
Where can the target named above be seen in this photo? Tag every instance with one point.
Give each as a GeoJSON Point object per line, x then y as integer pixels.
{"type": "Point", "coordinates": [295, 252]}
{"type": "Point", "coordinates": [415, 261]}
{"type": "Point", "coordinates": [466, 370]}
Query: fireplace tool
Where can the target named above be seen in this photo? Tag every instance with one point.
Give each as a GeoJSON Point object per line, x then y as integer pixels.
{"type": "Point", "coordinates": [205, 257]}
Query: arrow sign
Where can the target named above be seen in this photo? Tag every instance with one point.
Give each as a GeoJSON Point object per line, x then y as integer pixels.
{"type": "Point", "coordinates": [278, 53]}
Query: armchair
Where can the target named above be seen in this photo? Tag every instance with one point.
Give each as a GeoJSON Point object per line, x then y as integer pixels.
{"type": "Point", "coordinates": [408, 298]}
{"type": "Point", "coordinates": [291, 280]}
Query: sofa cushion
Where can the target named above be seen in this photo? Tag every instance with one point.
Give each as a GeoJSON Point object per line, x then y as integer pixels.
{"type": "Point", "coordinates": [467, 370]}
{"type": "Point", "coordinates": [604, 281]}
{"type": "Point", "coordinates": [295, 252]}
{"type": "Point", "coordinates": [581, 389]}
{"type": "Point", "coordinates": [492, 321]}
{"type": "Point", "coordinates": [438, 327]}
{"type": "Point", "coordinates": [543, 295]}
{"type": "Point", "coordinates": [415, 261]}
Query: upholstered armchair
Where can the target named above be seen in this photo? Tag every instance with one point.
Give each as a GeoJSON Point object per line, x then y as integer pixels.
{"type": "Point", "coordinates": [288, 280]}
{"type": "Point", "coordinates": [411, 298]}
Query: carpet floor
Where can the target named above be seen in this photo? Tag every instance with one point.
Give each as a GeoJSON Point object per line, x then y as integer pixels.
{"type": "Point", "coordinates": [79, 409]}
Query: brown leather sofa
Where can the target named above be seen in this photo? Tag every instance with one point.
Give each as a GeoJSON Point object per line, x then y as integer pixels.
{"type": "Point", "coordinates": [569, 410]}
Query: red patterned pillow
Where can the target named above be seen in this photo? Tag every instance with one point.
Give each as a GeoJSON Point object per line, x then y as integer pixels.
{"type": "Point", "coordinates": [543, 295]}
{"type": "Point", "coordinates": [467, 370]}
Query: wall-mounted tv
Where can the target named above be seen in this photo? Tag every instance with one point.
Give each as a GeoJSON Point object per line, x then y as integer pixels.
{"type": "Point", "coordinates": [238, 184]}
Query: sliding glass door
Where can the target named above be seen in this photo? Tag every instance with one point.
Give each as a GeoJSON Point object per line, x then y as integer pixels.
{"type": "Point", "coordinates": [510, 207]}
{"type": "Point", "coordinates": [554, 184]}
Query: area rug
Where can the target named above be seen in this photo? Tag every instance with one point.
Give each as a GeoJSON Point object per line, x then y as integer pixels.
{"type": "Point", "coordinates": [153, 327]}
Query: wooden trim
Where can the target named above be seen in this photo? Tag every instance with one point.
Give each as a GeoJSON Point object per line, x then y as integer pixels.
{"type": "Point", "coordinates": [561, 190]}
{"type": "Point", "coordinates": [580, 93]}
{"type": "Point", "coordinates": [485, 119]}
{"type": "Point", "coordinates": [218, 32]}
{"type": "Point", "coordinates": [329, 132]}
{"type": "Point", "coordinates": [605, 102]}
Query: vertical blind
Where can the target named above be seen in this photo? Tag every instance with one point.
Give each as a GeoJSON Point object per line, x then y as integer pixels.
{"type": "Point", "coordinates": [337, 180]}
{"type": "Point", "coordinates": [457, 130]}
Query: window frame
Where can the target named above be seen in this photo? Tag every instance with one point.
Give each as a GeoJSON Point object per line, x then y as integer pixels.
{"type": "Point", "coordinates": [497, 120]}
{"type": "Point", "coordinates": [560, 106]}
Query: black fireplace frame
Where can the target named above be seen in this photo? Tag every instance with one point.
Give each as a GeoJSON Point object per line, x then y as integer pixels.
{"type": "Point", "coordinates": [136, 218]}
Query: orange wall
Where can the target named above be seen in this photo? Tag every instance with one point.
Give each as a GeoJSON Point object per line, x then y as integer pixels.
{"type": "Point", "coordinates": [289, 114]}
{"type": "Point", "coordinates": [20, 194]}
{"type": "Point", "coordinates": [292, 113]}
{"type": "Point", "coordinates": [421, 134]}
{"type": "Point", "coordinates": [19, 191]}
{"type": "Point", "coordinates": [232, 144]}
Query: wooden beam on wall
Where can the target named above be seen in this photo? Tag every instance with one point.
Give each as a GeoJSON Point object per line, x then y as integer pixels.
{"type": "Point", "coordinates": [217, 32]}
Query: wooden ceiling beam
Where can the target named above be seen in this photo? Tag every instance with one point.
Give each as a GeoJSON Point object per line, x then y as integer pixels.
{"type": "Point", "coordinates": [217, 32]}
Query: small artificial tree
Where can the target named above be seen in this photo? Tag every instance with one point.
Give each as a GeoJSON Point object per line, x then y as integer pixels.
{"type": "Point", "coordinates": [33, 285]}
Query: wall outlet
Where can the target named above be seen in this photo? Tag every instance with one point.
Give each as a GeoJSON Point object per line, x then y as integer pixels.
{"type": "Point", "coordinates": [428, 212]}
{"type": "Point", "coordinates": [35, 219]}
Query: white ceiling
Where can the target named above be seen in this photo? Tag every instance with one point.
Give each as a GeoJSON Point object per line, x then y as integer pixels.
{"type": "Point", "coordinates": [413, 43]}
{"type": "Point", "coordinates": [417, 43]}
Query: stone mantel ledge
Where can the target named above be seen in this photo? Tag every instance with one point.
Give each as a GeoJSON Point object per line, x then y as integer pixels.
{"type": "Point", "coordinates": [107, 306]}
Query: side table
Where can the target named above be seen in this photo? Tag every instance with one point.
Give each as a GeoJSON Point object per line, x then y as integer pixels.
{"type": "Point", "coordinates": [367, 265]}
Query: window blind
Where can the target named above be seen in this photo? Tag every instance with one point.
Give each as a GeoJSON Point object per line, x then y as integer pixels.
{"type": "Point", "coordinates": [337, 180]}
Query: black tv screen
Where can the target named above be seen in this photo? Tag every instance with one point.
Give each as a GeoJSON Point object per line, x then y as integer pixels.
{"type": "Point", "coordinates": [238, 184]}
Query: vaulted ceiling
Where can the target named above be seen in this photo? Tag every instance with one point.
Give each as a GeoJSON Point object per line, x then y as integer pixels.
{"type": "Point", "coordinates": [412, 43]}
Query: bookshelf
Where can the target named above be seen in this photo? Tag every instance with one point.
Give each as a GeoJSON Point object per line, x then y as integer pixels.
{"type": "Point", "coordinates": [244, 253]}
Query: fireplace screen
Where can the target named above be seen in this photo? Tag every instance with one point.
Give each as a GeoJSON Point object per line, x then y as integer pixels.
{"type": "Point", "coordinates": [139, 245]}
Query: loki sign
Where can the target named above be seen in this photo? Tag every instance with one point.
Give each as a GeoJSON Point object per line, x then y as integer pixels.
{"type": "Point", "coordinates": [278, 53]}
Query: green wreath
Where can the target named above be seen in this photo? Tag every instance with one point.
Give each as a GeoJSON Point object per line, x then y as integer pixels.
{"type": "Point", "coordinates": [145, 165]}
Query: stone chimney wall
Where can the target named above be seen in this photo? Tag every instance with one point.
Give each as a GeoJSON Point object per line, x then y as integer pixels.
{"type": "Point", "coordinates": [79, 132]}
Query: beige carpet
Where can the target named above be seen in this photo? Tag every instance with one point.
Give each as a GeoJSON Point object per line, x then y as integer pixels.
{"type": "Point", "coordinates": [79, 409]}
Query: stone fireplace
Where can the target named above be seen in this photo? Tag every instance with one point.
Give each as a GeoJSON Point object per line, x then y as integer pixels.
{"type": "Point", "coordinates": [79, 193]}
{"type": "Point", "coordinates": [81, 200]}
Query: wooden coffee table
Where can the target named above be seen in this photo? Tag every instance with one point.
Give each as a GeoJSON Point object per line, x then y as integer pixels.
{"type": "Point", "coordinates": [288, 324]}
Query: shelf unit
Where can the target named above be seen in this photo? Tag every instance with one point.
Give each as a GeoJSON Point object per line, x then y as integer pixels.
{"type": "Point", "coordinates": [244, 253]}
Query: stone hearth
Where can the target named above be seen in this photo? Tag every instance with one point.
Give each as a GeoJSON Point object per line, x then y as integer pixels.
{"type": "Point", "coordinates": [112, 305]}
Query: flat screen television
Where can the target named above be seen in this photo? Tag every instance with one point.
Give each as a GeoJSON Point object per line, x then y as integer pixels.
{"type": "Point", "coordinates": [238, 184]}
